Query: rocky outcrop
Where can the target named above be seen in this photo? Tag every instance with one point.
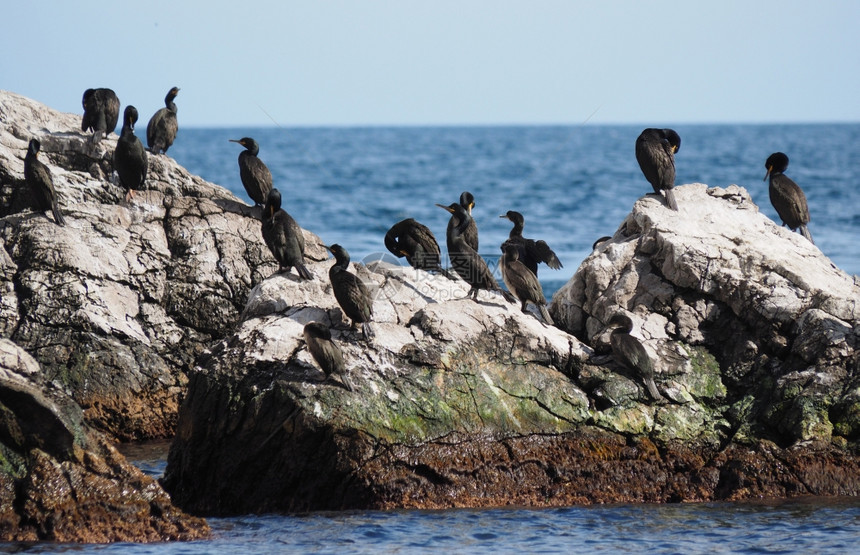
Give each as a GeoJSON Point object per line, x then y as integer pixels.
{"type": "Point", "coordinates": [118, 303]}
{"type": "Point", "coordinates": [777, 315]}
{"type": "Point", "coordinates": [60, 481]}
{"type": "Point", "coordinates": [464, 404]}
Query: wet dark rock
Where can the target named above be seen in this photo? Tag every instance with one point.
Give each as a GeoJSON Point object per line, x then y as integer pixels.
{"type": "Point", "coordinates": [62, 481]}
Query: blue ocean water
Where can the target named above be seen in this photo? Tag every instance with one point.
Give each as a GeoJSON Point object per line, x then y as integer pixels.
{"type": "Point", "coordinates": [573, 184]}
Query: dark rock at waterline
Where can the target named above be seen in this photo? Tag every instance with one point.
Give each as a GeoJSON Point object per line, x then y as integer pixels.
{"type": "Point", "coordinates": [61, 481]}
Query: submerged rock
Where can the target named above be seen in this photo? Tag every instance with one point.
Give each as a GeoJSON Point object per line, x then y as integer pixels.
{"type": "Point", "coordinates": [60, 481]}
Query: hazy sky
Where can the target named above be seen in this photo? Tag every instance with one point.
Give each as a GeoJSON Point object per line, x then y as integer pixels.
{"type": "Point", "coordinates": [245, 63]}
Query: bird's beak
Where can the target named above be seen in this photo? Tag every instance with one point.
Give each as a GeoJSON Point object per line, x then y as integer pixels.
{"type": "Point", "coordinates": [235, 141]}
{"type": "Point", "coordinates": [471, 205]}
{"type": "Point", "coordinates": [504, 216]}
{"type": "Point", "coordinates": [769, 169]}
{"type": "Point", "coordinates": [328, 248]}
{"type": "Point", "coordinates": [443, 207]}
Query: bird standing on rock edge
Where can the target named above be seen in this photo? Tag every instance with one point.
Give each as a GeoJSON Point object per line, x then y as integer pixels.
{"type": "Point", "coordinates": [786, 196]}
{"type": "Point", "coordinates": [284, 237]}
{"type": "Point", "coordinates": [531, 252]}
{"type": "Point", "coordinates": [162, 127]}
{"type": "Point", "coordinates": [256, 177]}
{"type": "Point", "coordinates": [38, 177]}
{"type": "Point", "coordinates": [101, 112]}
{"type": "Point", "coordinates": [627, 350]}
{"type": "Point", "coordinates": [521, 281]}
{"type": "Point", "coordinates": [351, 293]}
{"type": "Point", "coordinates": [129, 157]}
{"type": "Point", "coordinates": [655, 152]}
{"type": "Point", "coordinates": [326, 352]}
{"type": "Point", "coordinates": [465, 261]}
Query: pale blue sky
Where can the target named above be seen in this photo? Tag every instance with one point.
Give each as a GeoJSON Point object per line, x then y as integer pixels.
{"type": "Point", "coordinates": [244, 63]}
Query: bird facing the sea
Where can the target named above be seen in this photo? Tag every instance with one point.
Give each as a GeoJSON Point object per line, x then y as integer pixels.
{"type": "Point", "coordinates": [786, 196]}
{"type": "Point", "coordinates": [521, 281]}
{"type": "Point", "coordinates": [655, 152]}
{"type": "Point", "coordinates": [38, 178]}
{"type": "Point", "coordinates": [628, 351]}
{"type": "Point", "coordinates": [467, 263]}
{"type": "Point", "coordinates": [284, 237]}
{"type": "Point", "coordinates": [162, 127]}
{"type": "Point", "coordinates": [101, 112]}
{"type": "Point", "coordinates": [129, 157]}
{"type": "Point", "coordinates": [326, 352]}
{"type": "Point", "coordinates": [531, 252]}
{"type": "Point", "coordinates": [255, 175]}
{"type": "Point", "coordinates": [352, 295]}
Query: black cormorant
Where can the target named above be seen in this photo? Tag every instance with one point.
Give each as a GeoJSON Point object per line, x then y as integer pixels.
{"type": "Point", "coordinates": [655, 152]}
{"type": "Point", "coordinates": [162, 127]}
{"type": "Point", "coordinates": [627, 350]}
{"type": "Point", "coordinates": [351, 293]}
{"type": "Point", "coordinates": [284, 237]}
{"type": "Point", "coordinates": [470, 233]}
{"type": "Point", "coordinates": [326, 352]}
{"type": "Point", "coordinates": [786, 196]}
{"type": "Point", "coordinates": [417, 243]}
{"type": "Point", "coordinates": [468, 264]}
{"type": "Point", "coordinates": [521, 281]}
{"type": "Point", "coordinates": [531, 252]}
{"type": "Point", "coordinates": [38, 177]}
{"type": "Point", "coordinates": [101, 112]}
{"type": "Point", "coordinates": [255, 175]}
{"type": "Point", "coordinates": [129, 157]}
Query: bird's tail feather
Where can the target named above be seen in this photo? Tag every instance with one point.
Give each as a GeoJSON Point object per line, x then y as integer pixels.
{"type": "Point", "coordinates": [805, 231]}
{"type": "Point", "coordinates": [652, 389]}
{"type": "Point", "coordinates": [670, 199]}
{"type": "Point", "coordinates": [368, 330]}
{"type": "Point", "coordinates": [545, 314]}
{"type": "Point", "coordinates": [304, 273]}
{"type": "Point", "coordinates": [58, 216]}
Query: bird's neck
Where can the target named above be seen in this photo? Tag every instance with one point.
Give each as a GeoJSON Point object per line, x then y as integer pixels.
{"type": "Point", "coordinates": [517, 231]}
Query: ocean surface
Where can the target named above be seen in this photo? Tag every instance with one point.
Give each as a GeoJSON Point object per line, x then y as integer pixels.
{"type": "Point", "coordinates": [573, 185]}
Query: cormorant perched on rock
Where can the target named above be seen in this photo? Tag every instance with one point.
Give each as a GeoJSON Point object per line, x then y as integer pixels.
{"type": "Point", "coordinates": [627, 350]}
{"type": "Point", "coordinates": [521, 281]}
{"type": "Point", "coordinates": [284, 237]}
{"type": "Point", "coordinates": [468, 264]}
{"type": "Point", "coordinates": [38, 177]}
{"type": "Point", "coordinates": [351, 293]}
{"type": "Point", "coordinates": [531, 252]}
{"type": "Point", "coordinates": [655, 152]}
{"type": "Point", "coordinates": [101, 112]}
{"type": "Point", "coordinates": [786, 196]}
{"type": "Point", "coordinates": [129, 157]}
{"type": "Point", "coordinates": [255, 175]}
{"type": "Point", "coordinates": [162, 127]}
{"type": "Point", "coordinates": [470, 233]}
{"type": "Point", "coordinates": [326, 352]}
{"type": "Point", "coordinates": [417, 243]}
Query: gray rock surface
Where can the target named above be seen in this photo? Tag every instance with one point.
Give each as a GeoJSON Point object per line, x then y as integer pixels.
{"type": "Point", "coordinates": [779, 317]}
{"type": "Point", "coordinates": [117, 304]}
